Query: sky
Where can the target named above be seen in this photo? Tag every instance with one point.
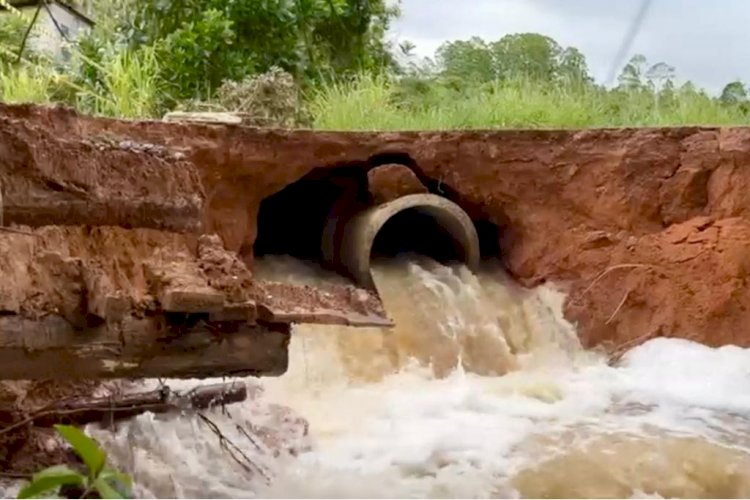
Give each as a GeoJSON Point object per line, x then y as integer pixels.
{"type": "Point", "coordinates": [707, 41]}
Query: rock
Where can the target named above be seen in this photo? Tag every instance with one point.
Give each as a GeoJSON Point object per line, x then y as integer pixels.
{"type": "Point", "coordinates": [388, 182]}
{"type": "Point", "coordinates": [203, 117]}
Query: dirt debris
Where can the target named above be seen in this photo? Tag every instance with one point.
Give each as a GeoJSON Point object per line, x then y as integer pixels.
{"type": "Point", "coordinates": [224, 270]}
{"type": "Point", "coordinates": [334, 304]}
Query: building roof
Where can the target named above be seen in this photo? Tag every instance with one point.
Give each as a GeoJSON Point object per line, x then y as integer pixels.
{"type": "Point", "coordinates": [20, 4]}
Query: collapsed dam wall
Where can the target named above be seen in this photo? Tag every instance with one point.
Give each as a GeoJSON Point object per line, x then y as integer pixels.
{"type": "Point", "coordinates": [646, 228]}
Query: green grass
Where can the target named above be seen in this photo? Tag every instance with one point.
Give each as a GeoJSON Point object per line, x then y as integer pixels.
{"type": "Point", "coordinates": [127, 87]}
{"type": "Point", "coordinates": [375, 103]}
{"type": "Point", "coordinates": [26, 83]}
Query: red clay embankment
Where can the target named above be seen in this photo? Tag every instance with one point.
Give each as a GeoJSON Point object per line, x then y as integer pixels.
{"type": "Point", "coordinates": [648, 228]}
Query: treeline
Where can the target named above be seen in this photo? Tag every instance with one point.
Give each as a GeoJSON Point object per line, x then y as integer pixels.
{"type": "Point", "coordinates": [537, 58]}
{"type": "Point", "coordinates": [333, 58]}
{"type": "Point", "coordinates": [522, 80]}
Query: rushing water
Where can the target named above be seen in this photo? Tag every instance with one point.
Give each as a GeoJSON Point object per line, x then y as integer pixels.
{"type": "Point", "coordinates": [481, 390]}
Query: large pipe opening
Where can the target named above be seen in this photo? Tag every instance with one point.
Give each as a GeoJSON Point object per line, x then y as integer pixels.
{"type": "Point", "coordinates": [489, 232]}
{"type": "Point", "coordinates": [328, 217]}
{"type": "Point", "coordinates": [425, 223]}
{"type": "Point", "coordinates": [416, 231]}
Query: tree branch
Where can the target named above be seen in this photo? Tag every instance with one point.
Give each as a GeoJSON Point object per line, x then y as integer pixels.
{"type": "Point", "coordinates": [81, 411]}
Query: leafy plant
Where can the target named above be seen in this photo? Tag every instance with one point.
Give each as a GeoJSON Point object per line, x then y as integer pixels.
{"type": "Point", "coordinates": [12, 31]}
{"type": "Point", "coordinates": [207, 42]}
{"type": "Point", "coordinates": [26, 83]}
{"type": "Point", "coordinates": [106, 482]}
{"type": "Point", "coordinates": [126, 86]}
{"type": "Point", "coordinates": [199, 54]}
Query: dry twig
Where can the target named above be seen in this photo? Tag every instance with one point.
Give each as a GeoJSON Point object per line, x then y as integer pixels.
{"type": "Point", "coordinates": [234, 450]}
{"type": "Point", "coordinates": [614, 268]}
{"type": "Point", "coordinates": [617, 309]}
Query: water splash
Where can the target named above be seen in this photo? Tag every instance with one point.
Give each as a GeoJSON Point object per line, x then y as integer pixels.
{"type": "Point", "coordinates": [481, 390]}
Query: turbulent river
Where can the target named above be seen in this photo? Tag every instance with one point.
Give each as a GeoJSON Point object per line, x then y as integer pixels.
{"type": "Point", "coordinates": [481, 390]}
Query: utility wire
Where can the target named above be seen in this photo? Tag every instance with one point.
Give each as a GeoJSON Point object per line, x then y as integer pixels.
{"type": "Point", "coordinates": [54, 21]}
{"type": "Point", "coordinates": [28, 31]}
{"type": "Point", "coordinates": [627, 42]}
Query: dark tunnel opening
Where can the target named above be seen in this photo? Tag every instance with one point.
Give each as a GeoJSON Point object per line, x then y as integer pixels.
{"type": "Point", "coordinates": [415, 232]}
{"type": "Point", "coordinates": [293, 221]}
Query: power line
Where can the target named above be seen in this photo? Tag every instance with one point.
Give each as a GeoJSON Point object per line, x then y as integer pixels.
{"type": "Point", "coordinates": [627, 42]}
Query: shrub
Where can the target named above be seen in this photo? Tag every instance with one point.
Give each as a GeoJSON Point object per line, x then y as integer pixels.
{"type": "Point", "coordinates": [106, 482]}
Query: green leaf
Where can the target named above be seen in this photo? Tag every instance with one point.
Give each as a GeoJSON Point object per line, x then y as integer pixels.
{"type": "Point", "coordinates": [86, 448]}
{"type": "Point", "coordinates": [51, 479]}
{"type": "Point", "coordinates": [120, 481]}
{"type": "Point", "coordinates": [105, 490]}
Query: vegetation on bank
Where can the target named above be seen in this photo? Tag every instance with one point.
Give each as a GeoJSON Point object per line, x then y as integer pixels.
{"type": "Point", "coordinates": [145, 58]}
{"type": "Point", "coordinates": [94, 480]}
{"type": "Point", "coordinates": [380, 103]}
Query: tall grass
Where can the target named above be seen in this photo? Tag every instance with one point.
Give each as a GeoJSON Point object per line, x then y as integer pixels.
{"type": "Point", "coordinates": [127, 85]}
{"type": "Point", "coordinates": [377, 103]}
{"type": "Point", "coordinates": [27, 83]}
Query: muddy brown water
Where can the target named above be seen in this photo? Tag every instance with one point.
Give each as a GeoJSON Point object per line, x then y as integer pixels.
{"type": "Point", "coordinates": [481, 390]}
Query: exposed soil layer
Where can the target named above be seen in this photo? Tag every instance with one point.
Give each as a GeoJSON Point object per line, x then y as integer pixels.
{"type": "Point", "coordinates": [120, 182]}
{"type": "Point", "coordinates": [648, 228]}
{"type": "Point", "coordinates": [336, 305]}
{"type": "Point", "coordinates": [388, 182]}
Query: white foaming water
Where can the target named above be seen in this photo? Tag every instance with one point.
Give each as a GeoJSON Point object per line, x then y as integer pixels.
{"type": "Point", "coordinates": [481, 390]}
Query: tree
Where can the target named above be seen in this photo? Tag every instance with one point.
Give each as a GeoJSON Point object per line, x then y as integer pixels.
{"type": "Point", "coordinates": [407, 48]}
{"type": "Point", "coordinates": [469, 60]}
{"type": "Point", "coordinates": [527, 55]}
{"type": "Point", "coordinates": [734, 93]}
{"type": "Point", "coordinates": [659, 75]}
{"type": "Point", "coordinates": [631, 77]}
{"type": "Point", "coordinates": [204, 42]}
{"type": "Point", "coordinates": [573, 67]}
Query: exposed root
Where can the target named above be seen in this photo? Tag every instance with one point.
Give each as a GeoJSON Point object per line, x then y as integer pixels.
{"type": "Point", "coordinates": [27, 441]}
{"type": "Point", "coordinates": [617, 309]}
{"type": "Point", "coordinates": [604, 273]}
{"type": "Point", "coordinates": [235, 452]}
{"type": "Point", "coordinates": [614, 268]}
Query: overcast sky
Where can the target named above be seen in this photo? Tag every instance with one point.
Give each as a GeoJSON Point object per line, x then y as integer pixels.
{"type": "Point", "coordinates": [707, 41]}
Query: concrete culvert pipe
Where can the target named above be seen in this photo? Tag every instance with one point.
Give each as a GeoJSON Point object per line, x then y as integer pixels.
{"type": "Point", "coordinates": [348, 240]}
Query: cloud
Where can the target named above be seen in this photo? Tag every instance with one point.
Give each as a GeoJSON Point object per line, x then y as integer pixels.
{"type": "Point", "coordinates": [706, 41]}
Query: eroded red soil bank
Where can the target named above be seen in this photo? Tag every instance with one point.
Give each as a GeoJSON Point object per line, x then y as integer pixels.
{"type": "Point", "coordinates": [648, 228]}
